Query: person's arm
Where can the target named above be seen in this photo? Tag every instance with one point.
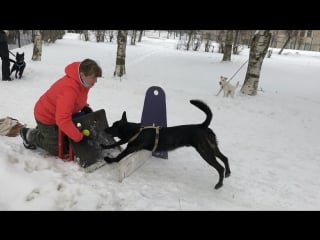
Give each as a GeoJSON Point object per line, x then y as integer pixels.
{"type": "Point", "coordinates": [64, 110]}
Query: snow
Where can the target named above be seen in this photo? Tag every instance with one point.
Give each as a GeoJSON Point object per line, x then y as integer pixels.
{"type": "Point", "coordinates": [271, 140]}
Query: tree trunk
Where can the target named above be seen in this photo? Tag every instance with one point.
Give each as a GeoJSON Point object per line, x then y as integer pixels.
{"type": "Point", "coordinates": [86, 35]}
{"type": "Point", "coordinates": [133, 37]}
{"type": "Point", "coordinates": [228, 46]}
{"type": "Point", "coordinates": [37, 46]}
{"type": "Point", "coordinates": [189, 40]}
{"type": "Point", "coordinates": [140, 36]}
{"type": "Point", "coordinates": [19, 41]}
{"type": "Point", "coordinates": [258, 49]}
{"type": "Point", "coordinates": [235, 49]}
{"type": "Point", "coordinates": [287, 41]}
{"type": "Point", "coordinates": [207, 45]}
{"type": "Point", "coordinates": [121, 53]}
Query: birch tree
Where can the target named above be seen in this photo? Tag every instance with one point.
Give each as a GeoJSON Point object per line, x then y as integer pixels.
{"type": "Point", "coordinates": [228, 46]}
{"type": "Point", "coordinates": [235, 49]}
{"type": "Point", "coordinates": [208, 42]}
{"type": "Point", "coordinates": [37, 46]}
{"type": "Point", "coordinates": [86, 35]}
{"type": "Point", "coordinates": [121, 53]}
{"type": "Point", "coordinates": [258, 49]}
{"type": "Point", "coordinates": [289, 36]}
{"type": "Point", "coordinates": [190, 33]}
{"type": "Point", "coordinates": [140, 36]}
{"type": "Point", "coordinates": [133, 37]}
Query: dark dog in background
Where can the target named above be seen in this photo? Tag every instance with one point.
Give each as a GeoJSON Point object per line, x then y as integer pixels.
{"type": "Point", "coordinates": [18, 65]}
{"type": "Point", "coordinates": [199, 136]}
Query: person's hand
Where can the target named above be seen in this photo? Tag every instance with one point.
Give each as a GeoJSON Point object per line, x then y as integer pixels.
{"type": "Point", "coordinates": [87, 110]}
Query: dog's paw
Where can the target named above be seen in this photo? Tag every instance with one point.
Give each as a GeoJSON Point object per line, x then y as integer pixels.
{"type": "Point", "coordinates": [108, 160]}
{"type": "Point", "coordinates": [218, 185]}
{"type": "Point", "coordinates": [103, 146]}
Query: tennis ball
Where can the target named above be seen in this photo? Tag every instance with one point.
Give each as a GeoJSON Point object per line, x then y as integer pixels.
{"type": "Point", "coordinates": [86, 132]}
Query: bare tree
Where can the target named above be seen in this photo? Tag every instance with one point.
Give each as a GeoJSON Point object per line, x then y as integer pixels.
{"type": "Point", "coordinates": [228, 46]}
{"type": "Point", "coordinates": [19, 42]}
{"type": "Point", "coordinates": [289, 36]}
{"type": "Point", "coordinates": [258, 49]}
{"type": "Point", "coordinates": [190, 33]}
{"type": "Point", "coordinates": [140, 35]}
{"type": "Point", "coordinates": [100, 35]}
{"type": "Point", "coordinates": [235, 49]}
{"type": "Point", "coordinates": [208, 42]}
{"type": "Point", "coordinates": [110, 35]}
{"type": "Point", "coordinates": [37, 46]}
{"type": "Point", "coordinates": [121, 53]}
{"type": "Point", "coordinates": [197, 41]}
{"type": "Point", "coordinates": [86, 35]}
{"type": "Point", "coordinates": [133, 37]}
{"type": "Point", "coordinates": [219, 38]}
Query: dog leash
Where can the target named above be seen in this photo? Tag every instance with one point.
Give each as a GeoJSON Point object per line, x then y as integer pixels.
{"type": "Point", "coordinates": [233, 76]}
{"type": "Point", "coordinates": [12, 53]}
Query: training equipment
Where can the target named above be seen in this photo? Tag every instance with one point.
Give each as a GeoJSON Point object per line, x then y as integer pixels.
{"type": "Point", "coordinates": [154, 114]}
{"type": "Point", "coordinates": [132, 162]}
{"type": "Point", "coordinates": [88, 151]}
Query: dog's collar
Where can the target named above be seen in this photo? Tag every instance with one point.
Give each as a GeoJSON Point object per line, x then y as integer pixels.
{"type": "Point", "coordinates": [20, 64]}
{"type": "Point", "coordinates": [156, 141]}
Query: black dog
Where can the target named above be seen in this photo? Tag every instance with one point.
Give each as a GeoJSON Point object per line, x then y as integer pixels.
{"type": "Point", "coordinates": [18, 65]}
{"type": "Point", "coordinates": [198, 136]}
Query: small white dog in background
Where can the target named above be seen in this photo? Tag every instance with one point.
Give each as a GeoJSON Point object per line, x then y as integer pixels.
{"type": "Point", "coordinates": [228, 89]}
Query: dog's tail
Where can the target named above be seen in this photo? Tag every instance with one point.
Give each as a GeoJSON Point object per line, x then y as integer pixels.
{"type": "Point", "coordinates": [204, 107]}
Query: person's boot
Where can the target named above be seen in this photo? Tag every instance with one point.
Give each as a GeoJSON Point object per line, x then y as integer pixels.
{"type": "Point", "coordinates": [24, 135]}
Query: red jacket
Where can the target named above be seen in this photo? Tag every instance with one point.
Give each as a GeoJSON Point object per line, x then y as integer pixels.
{"type": "Point", "coordinates": [65, 97]}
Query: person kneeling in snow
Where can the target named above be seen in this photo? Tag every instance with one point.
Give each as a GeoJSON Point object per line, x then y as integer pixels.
{"type": "Point", "coordinates": [55, 108]}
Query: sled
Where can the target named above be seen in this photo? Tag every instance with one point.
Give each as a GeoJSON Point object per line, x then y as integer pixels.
{"type": "Point", "coordinates": [88, 153]}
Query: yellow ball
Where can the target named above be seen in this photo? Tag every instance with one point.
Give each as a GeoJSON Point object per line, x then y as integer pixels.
{"type": "Point", "coordinates": [86, 132]}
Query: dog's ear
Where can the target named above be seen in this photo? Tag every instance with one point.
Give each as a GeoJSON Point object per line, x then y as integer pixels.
{"type": "Point", "coordinates": [223, 78]}
{"type": "Point", "coordinates": [124, 116]}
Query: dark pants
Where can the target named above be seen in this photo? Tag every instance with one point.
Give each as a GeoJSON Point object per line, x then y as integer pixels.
{"type": "Point", "coordinates": [4, 54]}
{"type": "Point", "coordinates": [46, 137]}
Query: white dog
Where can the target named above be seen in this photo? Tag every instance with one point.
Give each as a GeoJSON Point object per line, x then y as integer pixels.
{"type": "Point", "coordinates": [228, 89]}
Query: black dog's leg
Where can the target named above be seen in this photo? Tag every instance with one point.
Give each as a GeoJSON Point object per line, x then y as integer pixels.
{"type": "Point", "coordinates": [21, 72]}
{"type": "Point", "coordinates": [213, 142]}
{"type": "Point", "coordinates": [124, 153]}
{"type": "Point", "coordinates": [103, 146]}
{"type": "Point", "coordinates": [225, 161]}
{"type": "Point", "coordinates": [208, 155]}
